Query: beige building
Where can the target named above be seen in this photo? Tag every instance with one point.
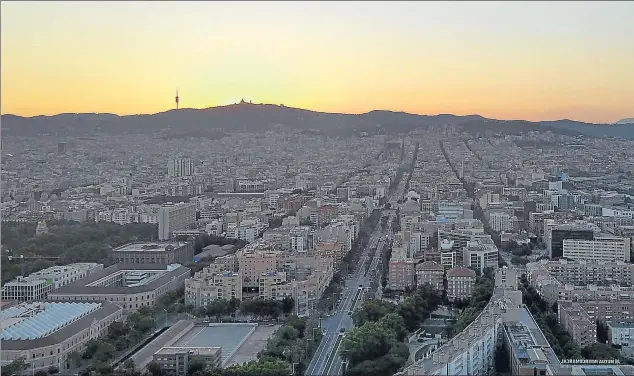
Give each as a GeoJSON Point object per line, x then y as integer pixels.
{"type": "Point", "coordinates": [45, 333]}
{"type": "Point", "coordinates": [336, 251]}
{"type": "Point", "coordinates": [572, 317]}
{"type": "Point", "coordinates": [176, 360]}
{"type": "Point", "coordinates": [257, 258]}
{"type": "Point", "coordinates": [280, 274]}
{"type": "Point", "coordinates": [164, 253]}
{"type": "Point", "coordinates": [432, 273]}
{"type": "Point", "coordinates": [460, 282]}
{"type": "Point", "coordinates": [207, 286]}
{"type": "Point", "coordinates": [129, 286]}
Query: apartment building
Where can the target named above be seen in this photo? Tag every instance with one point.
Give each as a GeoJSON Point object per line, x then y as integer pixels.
{"type": "Point", "coordinates": [471, 352]}
{"type": "Point", "coordinates": [179, 167]}
{"type": "Point", "coordinates": [619, 311]}
{"type": "Point", "coordinates": [208, 285]}
{"type": "Point", "coordinates": [529, 351]}
{"type": "Point", "coordinates": [603, 248]}
{"type": "Point", "coordinates": [402, 267]}
{"type": "Point", "coordinates": [173, 217]}
{"type": "Point", "coordinates": [432, 273]}
{"type": "Point", "coordinates": [621, 333]}
{"type": "Point", "coordinates": [37, 285]}
{"type": "Point", "coordinates": [556, 291]}
{"type": "Point", "coordinates": [502, 220]}
{"type": "Point", "coordinates": [258, 258]}
{"type": "Point", "coordinates": [585, 272]}
{"type": "Point", "coordinates": [480, 253]}
{"type": "Point", "coordinates": [460, 282]}
{"type": "Point", "coordinates": [576, 321]}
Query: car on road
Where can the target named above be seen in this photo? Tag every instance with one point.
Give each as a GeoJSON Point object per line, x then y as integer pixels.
{"type": "Point", "coordinates": [342, 331]}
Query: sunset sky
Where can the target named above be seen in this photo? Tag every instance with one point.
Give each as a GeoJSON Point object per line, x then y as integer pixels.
{"type": "Point", "coordinates": [507, 60]}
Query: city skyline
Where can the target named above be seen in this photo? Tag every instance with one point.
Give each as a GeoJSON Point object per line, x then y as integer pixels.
{"type": "Point", "coordinates": [533, 61]}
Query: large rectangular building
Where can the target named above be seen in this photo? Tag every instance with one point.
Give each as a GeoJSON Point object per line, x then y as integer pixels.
{"type": "Point", "coordinates": [45, 333]}
{"type": "Point", "coordinates": [130, 286]}
{"type": "Point", "coordinates": [602, 248]}
{"type": "Point", "coordinates": [174, 217]}
{"type": "Point", "coordinates": [37, 285]}
{"type": "Point", "coordinates": [163, 253]}
{"type": "Point", "coordinates": [555, 237]}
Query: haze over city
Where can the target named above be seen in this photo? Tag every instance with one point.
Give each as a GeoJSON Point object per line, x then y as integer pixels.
{"type": "Point", "coordinates": [519, 60]}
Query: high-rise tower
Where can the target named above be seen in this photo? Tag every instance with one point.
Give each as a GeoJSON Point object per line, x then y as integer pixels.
{"type": "Point", "coordinates": [177, 99]}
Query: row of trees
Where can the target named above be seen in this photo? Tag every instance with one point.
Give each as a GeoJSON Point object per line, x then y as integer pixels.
{"type": "Point", "coordinates": [119, 337]}
{"type": "Point", "coordinates": [258, 308]}
{"type": "Point", "coordinates": [482, 292]}
{"type": "Point", "coordinates": [375, 346]}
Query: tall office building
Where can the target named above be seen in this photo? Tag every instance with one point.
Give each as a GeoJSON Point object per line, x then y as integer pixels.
{"type": "Point", "coordinates": [559, 233]}
{"type": "Point", "coordinates": [180, 167]}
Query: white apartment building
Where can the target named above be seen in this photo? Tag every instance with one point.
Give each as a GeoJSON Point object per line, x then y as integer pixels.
{"type": "Point", "coordinates": [603, 248]}
{"type": "Point", "coordinates": [480, 253]}
{"type": "Point", "coordinates": [502, 221]}
{"type": "Point", "coordinates": [247, 229]}
{"type": "Point", "coordinates": [37, 285]}
{"type": "Point", "coordinates": [180, 167]}
{"type": "Point", "coordinates": [621, 333]}
{"type": "Point", "coordinates": [173, 217]}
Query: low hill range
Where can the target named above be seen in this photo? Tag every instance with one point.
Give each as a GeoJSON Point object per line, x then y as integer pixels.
{"type": "Point", "coordinates": [248, 117]}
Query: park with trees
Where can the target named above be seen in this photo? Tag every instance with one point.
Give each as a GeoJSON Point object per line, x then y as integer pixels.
{"type": "Point", "coordinates": [375, 346]}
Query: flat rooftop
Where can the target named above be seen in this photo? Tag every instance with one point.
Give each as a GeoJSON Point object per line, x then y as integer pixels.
{"type": "Point", "coordinates": [149, 247]}
{"type": "Point", "coordinates": [87, 285]}
{"type": "Point", "coordinates": [227, 337]}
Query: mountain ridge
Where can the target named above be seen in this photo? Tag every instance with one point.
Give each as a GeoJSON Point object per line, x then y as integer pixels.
{"type": "Point", "coordinates": [258, 117]}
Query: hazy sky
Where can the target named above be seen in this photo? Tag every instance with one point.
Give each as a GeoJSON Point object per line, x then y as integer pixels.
{"type": "Point", "coordinates": [532, 60]}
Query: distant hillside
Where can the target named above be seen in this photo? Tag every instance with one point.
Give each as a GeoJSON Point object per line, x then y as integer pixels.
{"type": "Point", "coordinates": [216, 121]}
{"type": "Point", "coordinates": [625, 121]}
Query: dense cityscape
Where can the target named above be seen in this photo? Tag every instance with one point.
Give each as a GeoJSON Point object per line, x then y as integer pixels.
{"type": "Point", "coordinates": [436, 251]}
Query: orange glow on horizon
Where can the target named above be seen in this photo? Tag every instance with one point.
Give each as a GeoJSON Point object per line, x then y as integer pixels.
{"type": "Point", "coordinates": [348, 57]}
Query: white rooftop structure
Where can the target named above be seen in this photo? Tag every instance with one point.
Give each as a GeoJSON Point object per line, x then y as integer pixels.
{"type": "Point", "coordinates": [38, 320]}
